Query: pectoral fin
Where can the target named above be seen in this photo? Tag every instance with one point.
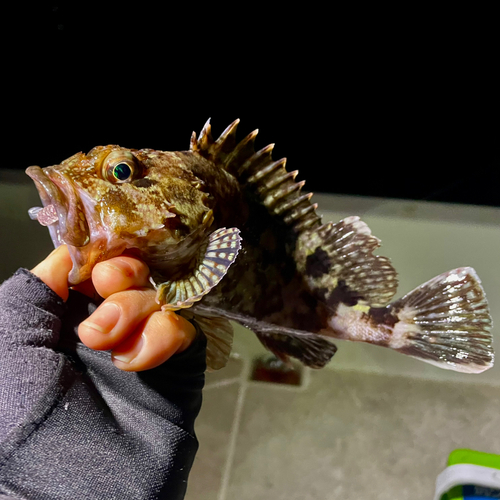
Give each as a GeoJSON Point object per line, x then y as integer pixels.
{"type": "Point", "coordinates": [214, 260]}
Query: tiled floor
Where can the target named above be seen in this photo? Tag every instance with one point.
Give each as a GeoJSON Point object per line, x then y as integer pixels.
{"type": "Point", "coordinates": [345, 435]}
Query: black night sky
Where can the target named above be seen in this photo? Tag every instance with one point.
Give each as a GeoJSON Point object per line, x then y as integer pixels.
{"type": "Point", "coordinates": [359, 103]}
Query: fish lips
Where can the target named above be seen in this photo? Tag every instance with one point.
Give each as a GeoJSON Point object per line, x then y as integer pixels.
{"type": "Point", "coordinates": [56, 190]}
{"type": "Point", "coordinates": [86, 247]}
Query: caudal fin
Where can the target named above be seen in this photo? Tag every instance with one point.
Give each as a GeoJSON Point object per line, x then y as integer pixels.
{"type": "Point", "coordinates": [446, 322]}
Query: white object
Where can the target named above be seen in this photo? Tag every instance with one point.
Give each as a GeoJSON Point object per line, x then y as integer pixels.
{"type": "Point", "coordinates": [461, 474]}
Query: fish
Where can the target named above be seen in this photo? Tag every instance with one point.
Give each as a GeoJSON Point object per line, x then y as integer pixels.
{"type": "Point", "coordinates": [229, 236]}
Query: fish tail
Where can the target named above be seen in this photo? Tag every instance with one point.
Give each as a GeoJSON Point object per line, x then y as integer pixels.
{"type": "Point", "coordinates": [444, 322]}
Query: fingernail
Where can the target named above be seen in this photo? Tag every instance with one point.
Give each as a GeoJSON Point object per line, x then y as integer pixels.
{"type": "Point", "coordinates": [128, 356]}
{"type": "Point", "coordinates": [172, 315]}
{"type": "Point", "coordinates": [105, 318]}
{"type": "Point", "coordinates": [185, 329]}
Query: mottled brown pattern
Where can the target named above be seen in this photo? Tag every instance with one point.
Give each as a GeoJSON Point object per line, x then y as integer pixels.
{"type": "Point", "coordinates": [290, 278]}
{"type": "Point", "coordinates": [170, 205]}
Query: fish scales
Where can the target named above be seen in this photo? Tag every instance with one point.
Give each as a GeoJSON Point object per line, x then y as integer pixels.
{"type": "Point", "coordinates": [228, 234]}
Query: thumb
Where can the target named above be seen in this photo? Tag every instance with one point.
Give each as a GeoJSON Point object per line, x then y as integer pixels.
{"type": "Point", "coordinates": [54, 270]}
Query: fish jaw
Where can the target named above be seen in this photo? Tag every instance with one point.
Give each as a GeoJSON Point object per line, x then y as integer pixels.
{"type": "Point", "coordinates": [71, 226]}
{"type": "Point", "coordinates": [68, 216]}
{"type": "Point", "coordinates": [85, 258]}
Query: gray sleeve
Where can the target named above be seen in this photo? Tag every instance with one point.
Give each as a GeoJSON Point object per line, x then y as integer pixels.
{"type": "Point", "coordinates": [74, 426]}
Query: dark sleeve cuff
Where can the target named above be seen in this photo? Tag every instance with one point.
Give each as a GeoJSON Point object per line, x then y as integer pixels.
{"type": "Point", "coordinates": [24, 286]}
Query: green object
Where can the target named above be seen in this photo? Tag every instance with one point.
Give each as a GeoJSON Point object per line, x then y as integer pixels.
{"type": "Point", "coordinates": [474, 457]}
{"type": "Point", "coordinates": [122, 171]}
{"type": "Point", "coordinates": [470, 475]}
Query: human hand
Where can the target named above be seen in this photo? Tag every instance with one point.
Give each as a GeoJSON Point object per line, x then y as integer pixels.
{"type": "Point", "coordinates": [129, 322]}
{"type": "Point", "coordinates": [54, 389]}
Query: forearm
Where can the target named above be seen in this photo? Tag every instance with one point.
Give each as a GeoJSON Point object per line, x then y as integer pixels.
{"type": "Point", "coordinates": [99, 431]}
{"type": "Point", "coordinates": [29, 328]}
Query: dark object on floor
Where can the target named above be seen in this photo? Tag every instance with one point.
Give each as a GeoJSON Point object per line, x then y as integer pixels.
{"type": "Point", "coordinates": [271, 369]}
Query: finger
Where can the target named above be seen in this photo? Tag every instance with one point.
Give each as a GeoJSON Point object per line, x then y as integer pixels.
{"type": "Point", "coordinates": [87, 288]}
{"type": "Point", "coordinates": [116, 318]}
{"type": "Point", "coordinates": [54, 270]}
{"type": "Point", "coordinates": [156, 339]}
{"type": "Point", "coordinates": [118, 274]}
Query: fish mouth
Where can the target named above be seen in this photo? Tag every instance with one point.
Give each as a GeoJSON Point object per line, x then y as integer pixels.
{"type": "Point", "coordinates": [69, 224]}
{"type": "Point", "coordinates": [62, 212]}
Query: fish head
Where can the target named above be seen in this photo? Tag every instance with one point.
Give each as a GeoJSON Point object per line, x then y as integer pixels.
{"type": "Point", "coordinates": [115, 199]}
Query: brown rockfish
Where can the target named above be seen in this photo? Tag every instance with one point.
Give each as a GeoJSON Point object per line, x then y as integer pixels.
{"type": "Point", "coordinates": [228, 235]}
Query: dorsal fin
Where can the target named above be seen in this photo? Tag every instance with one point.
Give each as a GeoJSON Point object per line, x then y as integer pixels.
{"type": "Point", "coordinates": [273, 184]}
{"type": "Point", "coordinates": [337, 260]}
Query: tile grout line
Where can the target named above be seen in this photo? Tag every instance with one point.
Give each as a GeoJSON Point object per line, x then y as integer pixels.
{"type": "Point", "coordinates": [231, 450]}
{"type": "Point", "coordinates": [222, 383]}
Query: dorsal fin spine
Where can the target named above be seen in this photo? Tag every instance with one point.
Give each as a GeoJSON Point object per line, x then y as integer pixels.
{"type": "Point", "coordinates": [229, 134]}
{"type": "Point", "coordinates": [299, 213]}
{"type": "Point", "coordinates": [205, 140]}
{"type": "Point", "coordinates": [311, 221]}
{"type": "Point", "coordinates": [242, 151]}
{"type": "Point", "coordinates": [274, 196]}
{"type": "Point", "coordinates": [225, 144]}
{"type": "Point", "coordinates": [279, 178]}
{"type": "Point", "coordinates": [276, 187]}
{"type": "Point", "coordinates": [293, 203]}
{"type": "Point", "coordinates": [265, 171]}
{"type": "Point", "coordinates": [193, 145]}
{"type": "Point", "coordinates": [254, 165]}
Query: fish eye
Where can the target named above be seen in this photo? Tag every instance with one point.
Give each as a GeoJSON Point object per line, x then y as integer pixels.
{"type": "Point", "coordinates": [120, 167]}
{"type": "Point", "coordinates": [122, 172]}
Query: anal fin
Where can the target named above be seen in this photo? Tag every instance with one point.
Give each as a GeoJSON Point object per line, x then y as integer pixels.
{"type": "Point", "coordinates": [311, 349]}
